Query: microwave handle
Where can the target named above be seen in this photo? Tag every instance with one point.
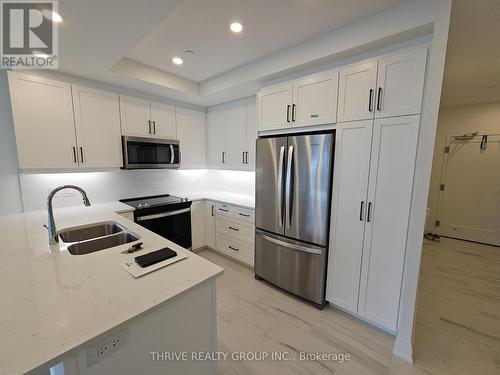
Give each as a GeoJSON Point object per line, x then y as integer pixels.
{"type": "Point", "coordinates": [171, 154]}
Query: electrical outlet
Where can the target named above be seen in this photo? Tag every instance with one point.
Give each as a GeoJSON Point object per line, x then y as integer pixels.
{"type": "Point", "coordinates": [106, 348]}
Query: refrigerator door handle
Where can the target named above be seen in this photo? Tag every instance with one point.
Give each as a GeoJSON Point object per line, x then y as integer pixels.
{"type": "Point", "coordinates": [291, 245]}
{"type": "Point", "coordinates": [280, 186]}
{"type": "Point", "coordinates": [288, 187]}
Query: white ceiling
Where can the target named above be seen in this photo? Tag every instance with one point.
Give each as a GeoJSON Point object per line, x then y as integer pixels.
{"type": "Point", "coordinates": [473, 54]}
{"type": "Point", "coordinates": [269, 26]}
{"type": "Point", "coordinates": [129, 43]}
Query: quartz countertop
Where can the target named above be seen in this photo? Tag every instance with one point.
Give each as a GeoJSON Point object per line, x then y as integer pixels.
{"type": "Point", "coordinates": [53, 302]}
{"type": "Point", "coordinates": [242, 200]}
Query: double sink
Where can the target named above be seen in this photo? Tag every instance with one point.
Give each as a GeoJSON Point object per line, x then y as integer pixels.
{"type": "Point", "coordinates": [86, 239]}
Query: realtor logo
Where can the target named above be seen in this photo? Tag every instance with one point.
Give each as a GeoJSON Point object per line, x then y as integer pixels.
{"type": "Point", "coordinates": [29, 34]}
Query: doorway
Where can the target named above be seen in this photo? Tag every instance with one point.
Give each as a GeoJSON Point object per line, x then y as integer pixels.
{"type": "Point", "coordinates": [469, 200]}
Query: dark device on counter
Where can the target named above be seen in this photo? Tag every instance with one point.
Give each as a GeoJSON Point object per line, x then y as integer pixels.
{"type": "Point", "coordinates": [154, 257]}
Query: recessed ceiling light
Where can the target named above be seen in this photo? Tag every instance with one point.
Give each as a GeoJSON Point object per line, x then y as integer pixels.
{"type": "Point", "coordinates": [236, 27]}
{"type": "Point", "coordinates": [51, 15]}
{"type": "Point", "coordinates": [177, 61]}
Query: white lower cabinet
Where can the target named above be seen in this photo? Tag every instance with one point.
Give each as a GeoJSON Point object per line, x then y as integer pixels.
{"type": "Point", "coordinates": [210, 224]}
{"type": "Point", "coordinates": [370, 216]}
{"type": "Point", "coordinates": [230, 230]}
{"type": "Point", "coordinates": [198, 238]}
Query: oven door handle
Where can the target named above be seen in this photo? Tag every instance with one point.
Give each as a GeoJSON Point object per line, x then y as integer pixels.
{"type": "Point", "coordinates": [163, 214]}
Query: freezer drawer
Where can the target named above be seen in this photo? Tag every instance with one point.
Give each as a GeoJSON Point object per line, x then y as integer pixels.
{"type": "Point", "coordinates": [295, 266]}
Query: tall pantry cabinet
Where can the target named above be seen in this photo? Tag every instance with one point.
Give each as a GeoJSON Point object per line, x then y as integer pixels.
{"type": "Point", "coordinates": [376, 142]}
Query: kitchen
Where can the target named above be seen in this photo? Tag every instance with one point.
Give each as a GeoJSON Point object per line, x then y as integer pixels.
{"type": "Point", "coordinates": [257, 186]}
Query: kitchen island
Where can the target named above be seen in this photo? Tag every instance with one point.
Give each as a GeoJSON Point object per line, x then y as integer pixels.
{"type": "Point", "coordinates": [60, 308]}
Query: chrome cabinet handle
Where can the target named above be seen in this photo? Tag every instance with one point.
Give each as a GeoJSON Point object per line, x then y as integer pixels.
{"type": "Point", "coordinates": [288, 113]}
{"type": "Point", "coordinates": [232, 228]}
{"type": "Point", "coordinates": [246, 157]}
{"type": "Point", "coordinates": [223, 209]}
{"type": "Point", "coordinates": [288, 191]}
{"type": "Point", "coordinates": [242, 214]}
{"type": "Point", "coordinates": [369, 214]}
{"type": "Point", "coordinates": [149, 126]}
{"type": "Point", "coordinates": [279, 191]}
{"type": "Point", "coordinates": [81, 153]}
{"type": "Point", "coordinates": [154, 127]}
{"type": "Point", "coordinates": [233, 248]}
{"type": "Point", "coordinates": [212, 209]}
{"type": "Point", "coordinates": [243, 157]}
{"type": "Point", "coordinates": [223, 157]}
{"type": "Point", "coordinates": [293, 112]}
{"type": "Point", "coordinates": [370, 101]}
{"type": "Point", "coordinates": [361, 210]}
{"type": "Point", "coordinates": [74, 155]}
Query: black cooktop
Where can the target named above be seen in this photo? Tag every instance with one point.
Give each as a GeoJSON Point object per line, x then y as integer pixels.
{"type": "Point", "coordinates": [154, 201]}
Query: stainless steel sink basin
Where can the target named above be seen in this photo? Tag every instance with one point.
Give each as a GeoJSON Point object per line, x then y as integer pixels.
{"type": "Point", "coordinates": [87, 232]}
{"type": "Point", "coordinates": [89, 238]}
{"type": "Point", "coordinates": [102, 243]}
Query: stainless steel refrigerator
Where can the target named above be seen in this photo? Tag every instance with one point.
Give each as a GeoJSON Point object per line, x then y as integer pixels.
{"type": "Point", "coordinates": [292, 212]}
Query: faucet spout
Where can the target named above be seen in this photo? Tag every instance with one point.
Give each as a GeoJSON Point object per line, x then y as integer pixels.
{"type": "Point", "coordinates": [53, 236]}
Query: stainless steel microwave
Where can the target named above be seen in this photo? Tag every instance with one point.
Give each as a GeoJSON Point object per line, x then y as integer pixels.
{"type": "Point", "coordinates": [149, 153]}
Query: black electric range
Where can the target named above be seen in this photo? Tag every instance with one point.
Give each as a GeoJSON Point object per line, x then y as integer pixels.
{"type": "Point", "coordinates": [166, 215]}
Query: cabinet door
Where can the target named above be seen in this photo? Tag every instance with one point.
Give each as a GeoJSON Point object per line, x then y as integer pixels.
{"type": "Point", "coordinates": [43, 120]}
{"type": "Point", "coordinates": [97, 120]}
{"type": "Point", "coordinates": [198, 224]}
{"type": "Point", "coordinates": [210, 224]}
{"type": "Point", "coordinates": [350, 186]}
{"type": "Point", "coordinates": [163, 121]}
{"type": "Point", "coordinates": [216, 138]}
{"type": "Point", "coordinates": [389, 195]}
{"type": "Point", "coordinates": [275, 107]}
{"type": "Point", "coordinates": [251, 136]}
{"type": "Point", "coordinates": [401, 83]}
{"type": "Point", "coordinates": [236, 136]}
{"type": "Point", "coordinates": [315, 99]}
{"type": "Point", "coordinates": [135, 116]}
{"type": "Point", "coordinates": [357, 84]}
{"type": "Point", "coordinates": [191, 133]}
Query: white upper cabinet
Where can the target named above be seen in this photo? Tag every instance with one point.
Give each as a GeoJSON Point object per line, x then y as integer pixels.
{"type": "Point", "coordinates": [231, 137]}
{"type": "Point", "coordinates": [357, 85]}
{"type": "Point", "coordinates": [43, 122]}
{"type": "Point", "coordinates": [97, 120]}
{"type": "Point", "coordinates": [401, 83]}
{"type": "Point", "coordinates": [191, 134]}
{"type": "Point", "coordinates": [275, 107]}
{"type": "Point", "coordinates": [251, 136]}
{"type": "Point", "coordinates": [216, 138]}
{"type": "Point", "coordinates": [315, 99]}
{"type": "Point", "coordinates": [163, 121]}
{"type": "Point", "coordinates": [236, 137]}
{"type": "Point", "coordinates": [141, 118]}
{"type": "Point", "coordinates": [350, 187]}
{"type": "Point", "coordinates": [135, 117]}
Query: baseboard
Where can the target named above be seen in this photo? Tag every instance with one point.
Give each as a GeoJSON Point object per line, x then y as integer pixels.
{"type": "Point", "coordinates": [403, 349]}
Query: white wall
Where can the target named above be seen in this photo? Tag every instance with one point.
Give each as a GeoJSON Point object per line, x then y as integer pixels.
{"type": "Point", "coordinates": [114, 185]}
{"type": "Point", "coordinates": [484, 118]}
{"type": "Point", "coordinates": [10, 194]}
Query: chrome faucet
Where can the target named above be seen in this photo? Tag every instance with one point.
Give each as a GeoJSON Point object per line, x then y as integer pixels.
{"type": "Point", "coordinates": [53, 236]}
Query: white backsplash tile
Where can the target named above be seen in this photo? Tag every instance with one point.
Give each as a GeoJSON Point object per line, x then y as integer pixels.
{"type": "Point", "coordinates": [114, 185]}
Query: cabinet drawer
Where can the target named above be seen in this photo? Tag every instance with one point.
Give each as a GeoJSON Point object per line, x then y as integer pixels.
{"type": "Point", "coordinates": [235, 249]}
{"type": "Point", "coordinates": [235, 229]}
{"type": "Point", "coordinates": [244, 214]}
{"type": "Point", "coordinates": [224, 209]}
